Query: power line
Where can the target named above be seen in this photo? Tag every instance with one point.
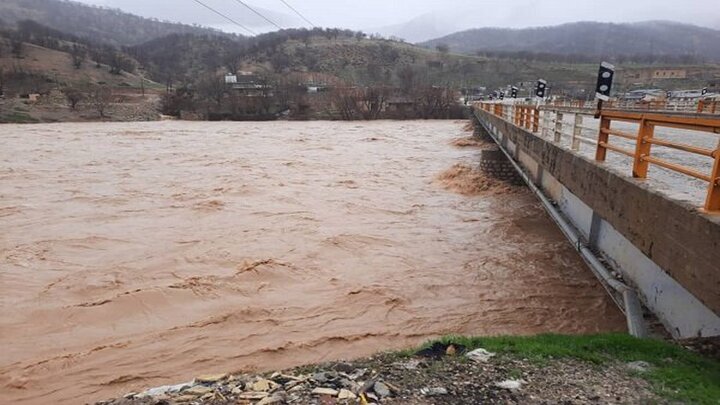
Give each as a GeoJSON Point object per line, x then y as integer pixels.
{"type": "Point", "coordinates": [259, 14]}
{"type": "Point", "coordinates": [298, 13]}
{"type": "Point", "coordinates": [225, 17]}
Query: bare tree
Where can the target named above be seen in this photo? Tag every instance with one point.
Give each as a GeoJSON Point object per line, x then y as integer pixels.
{"type": "Point", "coordinates": [73, 96]}
{"type": "Point", "coordinates": [346, 101]}
{"type": "Point", "coordinates": [120, 62]}
{"type": "Point", "coordinates": [78, 54]}
{"type": "Point", "coordinates": [17, 48]}
{"type": "Point", "coordinates": [100, 98]}
{"type": "Point", "coordinates": [212, 87]}
{"type": "Point", "coordinates": [434, 102]}
{"type": "Point", "coordinates": [2, 82]}
{"type": "Point", "coordinates": [233, 60]}
{"type": "Point", "coordinates": [373, 102]}
{"type": "Point", "coordinates": [408, 78]}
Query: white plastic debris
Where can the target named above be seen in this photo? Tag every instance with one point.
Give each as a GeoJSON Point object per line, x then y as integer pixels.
{"type": "Point", "coordinates": [512, 385]}
{"type": "Point", "coordinates": [167, 389]}
{"type": "Point", "coordinates": [480, 355]}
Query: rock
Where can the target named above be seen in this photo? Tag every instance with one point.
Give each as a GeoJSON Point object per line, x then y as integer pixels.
{"type": "Point", "coordinates": [284, 379]}
{"type": "Point", "coordinates": [434, 391]}
{"type": "Point", "coordinates": [325, 391]}
{"type": "Point", "coordinates": [346, 394]}
{"type": "Point", "coordinates": [291, 384]}
{"type": "Point", "coordinates": [263, 385]}
{"type": "Point", "coordinates": [185, 398]}
{"type": "Point", "coordinates": [273, 400]}
{"type": "Point", "coordinates": [320, 377]}
{"type": "Point", "coordinates": [357, 373]}
{"type": "Point", "coordinates": [253, 396]}
{"type": "Point", "coordinates": [210, 378]}
{"type": "Point", "coordinates": [408, 365]}
{"type": "Point", "coordinates": [381, 389]}
{"type": "Point", "coordinates": [639, 366]}
{"type": "Point", "coordinates": [480, 355]}
{"type": "Point", "coordinates": [197, 390]}
{"type": "Point", "coordinates": [393, 388]}
{"type": "Point", "coordinates": [297, 388]}
{"type": "Point", "coordinates": [344, 367]}
{"type": "Point", "coordinates": [512, 385]}
{"type": "Point", "coordinates": [350, 385]}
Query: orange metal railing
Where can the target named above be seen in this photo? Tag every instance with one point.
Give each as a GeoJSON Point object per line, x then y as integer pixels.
{"type": "Point", "coordinates": [528, 117]}
{"type": "Point", "coordinates": [644, 140]}
{"type": "Point", "coordinates": [708, 106]}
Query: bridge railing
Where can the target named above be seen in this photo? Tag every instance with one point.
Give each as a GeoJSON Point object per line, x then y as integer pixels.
{"type": "Point", "coordinates": [700, 106]}
{"type": "Point", "coordinates": [708, 107]}
{"type": "Point", "coordinates": [644, 140]}
{"type": "Point", "coordinates": [575, 126]}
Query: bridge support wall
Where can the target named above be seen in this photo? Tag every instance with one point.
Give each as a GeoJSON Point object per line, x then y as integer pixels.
{"type": "Point", "coordinates": [668, 251]}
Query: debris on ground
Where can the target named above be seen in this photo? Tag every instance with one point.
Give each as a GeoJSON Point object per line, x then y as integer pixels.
{"type": "Point", "coordinates": [439, 373]}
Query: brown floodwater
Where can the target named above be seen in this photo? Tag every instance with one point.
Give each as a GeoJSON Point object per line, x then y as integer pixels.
{"type": "Point", "coordinates": [142, 254]}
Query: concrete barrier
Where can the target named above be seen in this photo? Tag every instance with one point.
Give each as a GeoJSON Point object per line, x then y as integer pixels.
{"type": "Point", "coordinates": [668, 251]}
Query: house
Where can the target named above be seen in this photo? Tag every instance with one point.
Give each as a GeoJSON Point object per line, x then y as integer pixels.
{"type": "Point", "coordinates": [669, 74]}
{"type": "Point", "coordinates": [688, 95]}
{"type": "Point", "coordinates": [643, 95]}
{"type": "Point", "coordinates": [248, 84]}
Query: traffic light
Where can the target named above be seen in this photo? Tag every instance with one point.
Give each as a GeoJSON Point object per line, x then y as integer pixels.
{"type": "Point", "coordinates": [668, 94]}
{"type": "Point", "coordinates": [704, 91]}
{"type": "Point", "coordinates": [502, 95]}
{"type": "Point", "coordinates": [514, 92]}
{"type": "Point", "coordinates": [605, 81]}
{"type": "Point", "coordinates": [541, 88]}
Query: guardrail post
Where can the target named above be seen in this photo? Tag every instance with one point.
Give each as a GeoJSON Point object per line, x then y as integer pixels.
{"type": "Point", "coordinates": [603, 139]}
{"type": "Point", "coordinates": [577, 132]}
{"type": "Point", "coordinates": [546, 123]}
{"type": "Point", "coordinates": [712, 203]}
{"type": "Point", "coordinates": [701, 106]}
{"type": "Point", "coordinates": [558, 126]}
{"type": "Point", "coordinates": [642, 149]}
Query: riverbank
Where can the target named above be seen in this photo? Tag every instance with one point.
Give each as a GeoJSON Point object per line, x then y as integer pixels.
{"type": "Point", "coordinates": [605, 368]}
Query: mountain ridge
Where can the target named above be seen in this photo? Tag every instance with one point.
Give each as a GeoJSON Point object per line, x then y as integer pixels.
{"type": "Point", "coordinates": [591, 38]}
{"type": "Point", "coordinates": [100, 24]}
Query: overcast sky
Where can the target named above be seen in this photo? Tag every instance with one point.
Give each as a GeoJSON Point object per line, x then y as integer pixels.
{"type": "Point", "coordinates": [449, 15]}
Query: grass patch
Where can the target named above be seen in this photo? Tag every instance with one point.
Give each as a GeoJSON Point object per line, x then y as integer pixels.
{"type": "Point", "coordinates": [676, 373]}
{"type": "Point", "coordinates": [18, 118]}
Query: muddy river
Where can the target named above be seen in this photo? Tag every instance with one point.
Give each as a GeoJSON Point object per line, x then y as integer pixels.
{"type": "Point", "coordinates": [137, 255]}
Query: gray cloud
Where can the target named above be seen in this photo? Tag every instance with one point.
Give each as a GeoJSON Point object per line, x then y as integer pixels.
{"type": "Point", "coordinates": [440, 16]}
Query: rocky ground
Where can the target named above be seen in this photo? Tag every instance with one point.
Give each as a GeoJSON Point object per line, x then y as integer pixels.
{"type": "Point", "coordinates": [53, 108]}
{"type": "Point", "coordinates": [440, 374]}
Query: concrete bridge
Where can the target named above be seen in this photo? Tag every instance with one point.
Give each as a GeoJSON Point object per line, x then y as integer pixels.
{"type": "Point", "coordinates": [638, 194]}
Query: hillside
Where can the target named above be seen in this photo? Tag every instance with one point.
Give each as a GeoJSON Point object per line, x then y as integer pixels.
{"type": "Point", "coordinates": [50, 72]}
{"type": "Point", "coordinates": [341, 56]}
{"type": "Point", "coordinates": [101, 25]}
{"type": "Point", "coordinates": [657, 38]}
